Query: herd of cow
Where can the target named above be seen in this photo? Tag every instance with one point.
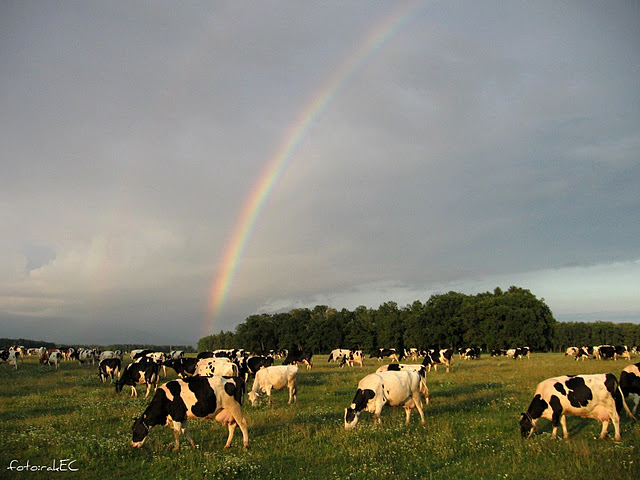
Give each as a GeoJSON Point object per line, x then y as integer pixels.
{"type": "Point", "coordinates": [213, 384]}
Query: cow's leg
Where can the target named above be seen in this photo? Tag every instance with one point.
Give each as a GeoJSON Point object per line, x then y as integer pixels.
{"type": "Point", "coordinates": [268, 392]}
{"type": "Point", "coordinates": [615, 418]}
{"type": "Point", "coordinates": [148, 388]}
{"type": "Point", "coordinates": [418, 403]}
{"type": "Point", "coordinates": [239, 418]}
{"type": "Point", "coordinates": [134, 392]}
{"type": "Point", "coordinates": [232, 428]}
{"type": "Point", "coordinates": [177, 428]}
{"type": "Point", "coordinates": [563, 422]}
{"type": "Point", "coordinates": [186, 434]}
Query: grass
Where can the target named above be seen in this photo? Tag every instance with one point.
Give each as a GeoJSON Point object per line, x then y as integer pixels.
{"type": "Point", "coordinates": [471, 429]}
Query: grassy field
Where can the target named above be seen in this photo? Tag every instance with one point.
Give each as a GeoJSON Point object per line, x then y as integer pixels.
{"type": "Point", "coordinates": [471, 429]}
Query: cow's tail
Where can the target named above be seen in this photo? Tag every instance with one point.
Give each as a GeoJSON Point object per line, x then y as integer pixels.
{"type": "Point", "coordinates": [624, 404]}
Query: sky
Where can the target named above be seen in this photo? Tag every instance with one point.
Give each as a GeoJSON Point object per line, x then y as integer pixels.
{"type": "Point", "coordinates": [168, 169]}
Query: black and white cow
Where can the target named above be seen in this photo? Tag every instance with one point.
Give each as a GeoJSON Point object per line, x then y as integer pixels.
{"type": "Point", "coordinates": [433, 358]}
{"type": "Point", "coordinates": [8, 356]}
{"type": "Point", "coordinates": [401, 388]}
{"type": "Point", "coordinates": [175, 402]}
{"type": "Point", "coordinates": [109, 368]}
{"type": "Point", "coordinates": [184, 366]}
{"type": "Point", "coordinates": [256, 362]}
{"type": "Point", "coordinates": [338, 354]}
{"type": "Point", "coordinates": [353, 357]}
{"type": "Point", "coordinates": [298, 356]}
{"type": "Point", "coordinates": [621, 351]}
{"type": "Point", "coordinates": [470, 353]}
{"type": "Point", "coordinates": [498, 352]}
{"type": "Point", "coordinates": [54, 359]}
{"type": "Point", "coordinates": [630, 384]}
{"type": "Point", "coordinates": [604, 352]}
{"type": "Point", "coordinates": [382, 353]}
{"type": "Point", "coordinates": [137, 373]}
{"type": "Point", "coordinates": [588, 396]}
{"type": "Point", "coordinates": [208, 367]}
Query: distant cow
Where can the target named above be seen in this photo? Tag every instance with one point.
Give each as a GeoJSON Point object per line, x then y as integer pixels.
{"type": "Point", "coordinates": [433, 358]}
{"type": "Point", "coordinates": [8, 356]}
{"type": "Point", "coordinates": [177, 401]}
{"type": "Point", "coordinates": [630, 384]}
{"type": "Point", "coordinates": [298, 356]}
{"type": "Point", "coordinates": [138, 373]}
{"type": "Point", "coordinates": [338, 354]}
{"type": "Point", "coordinates": [54, 359]}
{"type": "Point", "coordinates": [588, 396]}
{"type": "Point", "coordinates": [184, 366]}
{"type": "Point", "coordinates": [604, 352]}
{"type": "Point", "coordinates": [401, 388]}
{"type": "Point", "coordinates": [275, 378]}
{"type": "Point", "coordinates": [256, 362]}
{"type": "Point", "coordinates": [498, 352]}
{"type": "Point", "coordinates": [353, 357]}
{"type": "Point", "coordinates": [208, 367]}
{"type": "Point", "coordinates": [470, 353]}
{"type": "Point", "coordinates": [621, 351]}
{"type": "Point", "coordinates": [382, 353]}
{"type": "Point", "coordinates": [109, 368]}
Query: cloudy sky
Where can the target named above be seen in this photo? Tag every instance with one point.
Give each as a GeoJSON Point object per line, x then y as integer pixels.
{"type": "Point", "coordinates": [433, 146]}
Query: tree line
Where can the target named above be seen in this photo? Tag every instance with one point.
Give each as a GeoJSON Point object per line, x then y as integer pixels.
{"type": "Point", "coordinates": [487, 320]}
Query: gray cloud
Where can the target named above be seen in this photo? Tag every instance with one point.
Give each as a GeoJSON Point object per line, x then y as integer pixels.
{"type": "Point", "coordinates": [478, 141]}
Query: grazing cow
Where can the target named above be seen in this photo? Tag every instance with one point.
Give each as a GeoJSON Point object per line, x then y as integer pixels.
{"type": "Point", "coordinates": [433, 358]}
{"type": "Point", "coordinates": [588, 396]}
{"type": "Point", "coordinates": [389, 353]}
{"type": "Point", "coordinates": [109, 368]}
{"type": "Point", "coordinates": [408, 367]}
{"type": "Point", "coordinates": [177, 401]}
{"type": "Point", "coordinates": [498, 352]}
{"type": "Point", "coordinates": [630, 384]}
{"type": "Point", "coordinates": [8, 356]}
{"type": "Point", "coordinates": [377, 389]}
{"type": "Point", "coordinates": [572, 352]}
{"type": "Point", "coordinates": [137, 373]}
{"type": "Point", "coordinates": [338, 354]}
{"type": "Point", "coordinates": [256, 362]}
{"type": "Point", "coordinates": [85, 356]}
{"type": "Point", "coordinates": [604, 352]}
{"type": "Point", "coordinates": [106, 354]}
{"type": "Point", "coordinates": [353, 357]}
{"type": "Point", "coordinates": [470, 353]}
{"type": "Point", "coordinates": [175, 354]}
{"type": "Point", "coordinates": [621, 351]}
{"type": "Point", "coordinates": [208, 367]}
{"type": "Point", "coordinates": [298, 356]}
{"type": "Point", "coordinates": [184, 366]}
{"type": "Point", "coordinates": [275, 378]}
{"type": "Point", "coordinates": [54, 359]}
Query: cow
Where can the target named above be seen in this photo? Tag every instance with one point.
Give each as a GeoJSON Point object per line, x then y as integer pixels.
{"type": "Point", "coordinates": [175, 354]}
{"type": "Point", "coordinates": [433, 358]}
{"type": "Point", "coordinates": [106, 354]}
{"type": "Point", "coordinates": [275, 378]}
{"type": "Point", "coordinates": [470, 353]}
{"type": "Point", "coordinates": [572, 352]}
{"type": "Point", "coordinates": [9, 356]}
{"type": "Point", "coordinates": [184, 366]}
{"type": "Point", "coordinates": [256, 362]}
{"type": "Point", "coordinates": [604, 352]}
{"type": "Point", "coordinates": [380, 388]}
{"type": "Point", "coordinates": [381, 353]}
{"type": "Point", "coordinates": [353, 357]}
{"type": "Point", "coordinates": [498, 352]}
{"type": "Point", "coordinates": [621, 351]}
{"type": "Point", "coordinates": [54, 359]}
{"type": "Point", "coordinates": [588, 396]}
{"type": "Point", "coordinates": [109, 368]}
{"type": "Point", "coordinates": [338, 354]}
{"type": "Point", "coordinates": [85, 356]}
{"type": "Point", "coordinates": [175, 402]}
{"type": "Point", "coordinates": [298, 356]}
{"type": "Point", "coordinates": [145, 372]}
{"type": "Point", "coordinates": [208, 367]}
{"type": "Point", "coordinates": [630, 384]}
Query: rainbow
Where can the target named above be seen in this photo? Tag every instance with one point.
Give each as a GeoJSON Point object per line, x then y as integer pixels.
{"type": "Point", "coordinates": [284, 155]}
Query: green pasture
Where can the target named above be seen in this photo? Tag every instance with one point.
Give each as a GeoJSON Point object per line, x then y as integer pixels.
{"type": "Point", "coordinates": [471, 429]}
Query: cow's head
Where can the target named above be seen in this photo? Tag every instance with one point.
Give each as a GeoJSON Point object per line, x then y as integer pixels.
{"type": "Point", "coordinates": [140, 431]}
{"type": "Point", "coordinates": [351, 417]}
{"type": "Point", "coordinates": [527, 425]}
{"type": "Point", "coordinates": [254, 398]}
